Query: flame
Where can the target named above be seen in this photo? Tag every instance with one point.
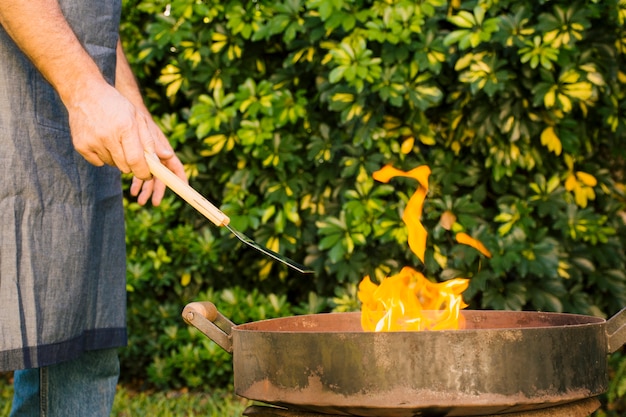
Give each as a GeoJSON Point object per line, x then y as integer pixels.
{"type": "Point", "coordinates": [408, 301]}
{"type": "Point", "coordinates": [465, 239]}
{"type": "Point", "coordinates": [413, 211]}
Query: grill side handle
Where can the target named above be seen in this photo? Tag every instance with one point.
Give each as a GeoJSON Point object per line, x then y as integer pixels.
{"type": "Point", "coordinates": [616, 331]}
{"type": "Point", "coordinates": [203, 315]}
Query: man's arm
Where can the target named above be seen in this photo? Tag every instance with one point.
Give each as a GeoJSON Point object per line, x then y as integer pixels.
{"type": "Point", "coordinates": [106, 127]}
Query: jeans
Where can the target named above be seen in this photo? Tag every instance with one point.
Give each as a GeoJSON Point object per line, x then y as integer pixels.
{"type": "Point", "coordinates": [84, 387]}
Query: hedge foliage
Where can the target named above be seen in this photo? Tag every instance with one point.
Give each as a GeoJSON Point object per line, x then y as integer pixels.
{"type": "Point", "coordinates": [282, 110]}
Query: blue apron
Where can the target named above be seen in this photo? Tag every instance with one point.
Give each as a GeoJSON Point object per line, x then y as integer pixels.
{"type": "Point", "coordinates": [62, 245]}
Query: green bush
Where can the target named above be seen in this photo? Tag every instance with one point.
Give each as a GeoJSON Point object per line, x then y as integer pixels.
{"type": "Point", "coordinates": [282, 110]}
{"type": "Point", "coordinates": [168, 354]}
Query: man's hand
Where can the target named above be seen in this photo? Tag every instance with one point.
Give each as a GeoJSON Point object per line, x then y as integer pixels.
{"type": "Point", "coordinates": [107, 129]}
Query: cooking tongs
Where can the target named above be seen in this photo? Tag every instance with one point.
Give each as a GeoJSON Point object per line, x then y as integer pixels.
{"type": "Point", "coordinates": [205, 207]}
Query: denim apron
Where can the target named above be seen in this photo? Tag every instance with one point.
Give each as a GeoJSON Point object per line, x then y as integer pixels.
{"type": "Point", "coordinates": [62, 245]}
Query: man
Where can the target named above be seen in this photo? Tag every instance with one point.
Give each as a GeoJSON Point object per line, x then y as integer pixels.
{"type": "Point", "coordinates": [71, 118]}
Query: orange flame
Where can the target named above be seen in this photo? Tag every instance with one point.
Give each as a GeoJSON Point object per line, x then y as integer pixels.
{"type": "Point", "coordinates": [465, 239]}
{"type": "Point", "coordinates": [408, 301]}
{"type": "Point", "coordinates": [413, 212]}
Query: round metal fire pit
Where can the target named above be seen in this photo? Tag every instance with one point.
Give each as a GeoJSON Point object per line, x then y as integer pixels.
{"type": "Point", "coordinates": [502, 362]}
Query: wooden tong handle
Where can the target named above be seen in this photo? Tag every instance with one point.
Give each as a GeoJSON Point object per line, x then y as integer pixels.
{"type": "Point", "coordinates": [185, 191]}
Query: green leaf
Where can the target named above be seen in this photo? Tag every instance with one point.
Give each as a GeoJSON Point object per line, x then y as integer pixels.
{"type": "Point", "coordinates": [463, 19]}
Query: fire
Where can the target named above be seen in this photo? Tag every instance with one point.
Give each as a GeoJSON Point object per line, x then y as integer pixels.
{"type": "Point", "coordinates": [408, 301]}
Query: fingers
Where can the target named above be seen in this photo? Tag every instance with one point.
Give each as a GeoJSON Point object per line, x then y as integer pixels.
{"type": "Point", "coordinates": [136, 186]}
{"type": "Point", "coordinates": [154, 141]}
{"type": "Point", "coordinates": [162, 146]}
{"type": "Point", "coordinates": [88, 145]}
{"type": "Point", "coordinates": [100, 157]}
{"type": "Point", "coordinates": [158, 192]}
{"type": "Point", "coordinates": [141, 136]}
{"type": "Point", "coordinates": [173, 164]}
{"type": "Point", "coordinates": [143, 190]}
{"type": "Point", "coordinates": [92, 157]}
{"type": "Point", "coordinates": [134, 140]}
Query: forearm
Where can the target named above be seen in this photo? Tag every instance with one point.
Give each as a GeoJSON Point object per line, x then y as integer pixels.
{"type": "Point", "coordinates": [125, 81]}
{"type": "Point", "coordinates": [41, 31]}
